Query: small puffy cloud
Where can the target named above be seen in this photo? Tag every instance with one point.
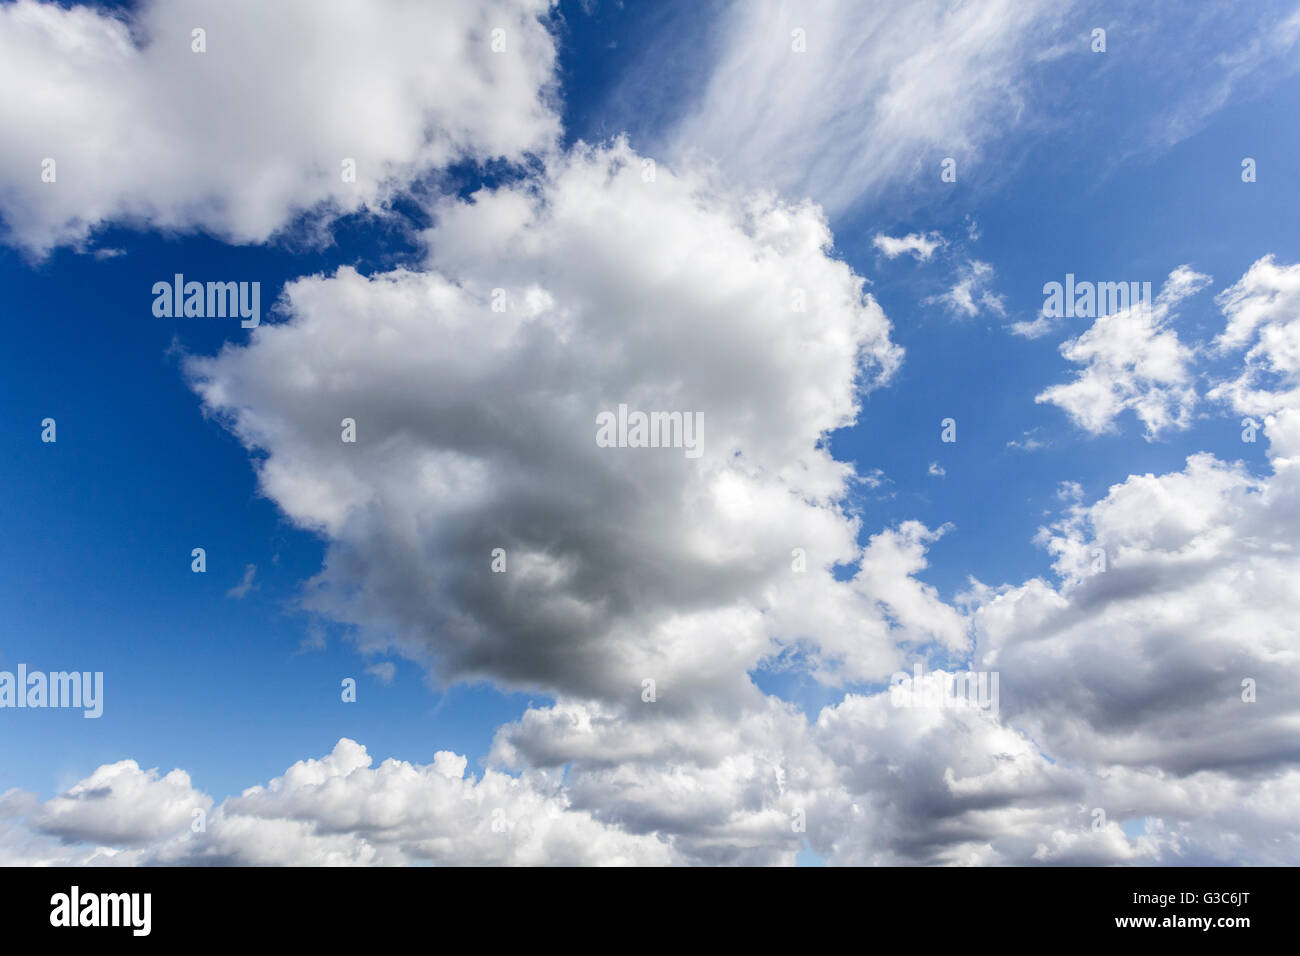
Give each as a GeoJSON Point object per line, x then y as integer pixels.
{"type": "Point", "coordinates": [936, 470]}
{"type": "Point", "coordinates": [921, 246]}
{"type": "Point", "coordinates": [1027, 441]}
{"type": "Point", "coordinates": [1034, 328]}
{"type": "Point", "coordinates": [1133, 360]}
{"type": "Point", "coordinates": [972, 293]}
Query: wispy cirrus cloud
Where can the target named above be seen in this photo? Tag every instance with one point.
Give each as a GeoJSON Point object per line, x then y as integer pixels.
{"type": "Point", "coordinates": [876, 94]}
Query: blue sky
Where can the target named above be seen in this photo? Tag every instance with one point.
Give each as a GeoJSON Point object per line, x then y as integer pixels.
{"type": "Point", "coordinates": [1084, 179]}
{"type": "Point", "coordinates": [121, 505]}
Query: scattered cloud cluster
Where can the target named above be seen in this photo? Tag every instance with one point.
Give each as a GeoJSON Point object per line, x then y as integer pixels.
{"type": "Point", "coordinates": [1145, 709]}
{"type": "Point", "coordinates": [1149, 681]}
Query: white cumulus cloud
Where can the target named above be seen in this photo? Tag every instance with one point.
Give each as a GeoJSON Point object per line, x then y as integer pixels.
{"type": "Point", "coordinates": [239, 139]}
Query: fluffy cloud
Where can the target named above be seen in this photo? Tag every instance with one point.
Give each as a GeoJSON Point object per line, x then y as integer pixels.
{"type": "Point", "coordinates": [1133, 360]}
{"type": "Point", "coordinates": [476, 431]}
{"type": "Point", "coordinates": [920, 245]}
{"type": "Point", "coordinates": [972, 292]}
{"type": "Point", "coordinates": [1163, 659]}
{"type": "Point", "coordinates": [954, 786]}
{"type": "Point", "coordinates": [1192, 600]}
{"type": "Point", "coordinates": [121, 804]}
{"type": "Point", "coordinates": [726, 787]}
{"type": "Point", "coordinates": [1166, 672]}
{"type": "Point", "coordinates": [1263, 311]}
{"type": "Point", "coordinates": [866, 783]}
{"type": "Point", "coordinates": [241, 138]}
{"type": "Point", "coordinates": [339, 810]}
{"type": "Point", "coordinates": [21, 845]}
{"type": "Point", "coordinates": [475, 383]}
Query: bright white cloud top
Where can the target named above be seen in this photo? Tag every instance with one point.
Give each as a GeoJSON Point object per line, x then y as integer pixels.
{"type": "Point", "coordinates": [239, 139]}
